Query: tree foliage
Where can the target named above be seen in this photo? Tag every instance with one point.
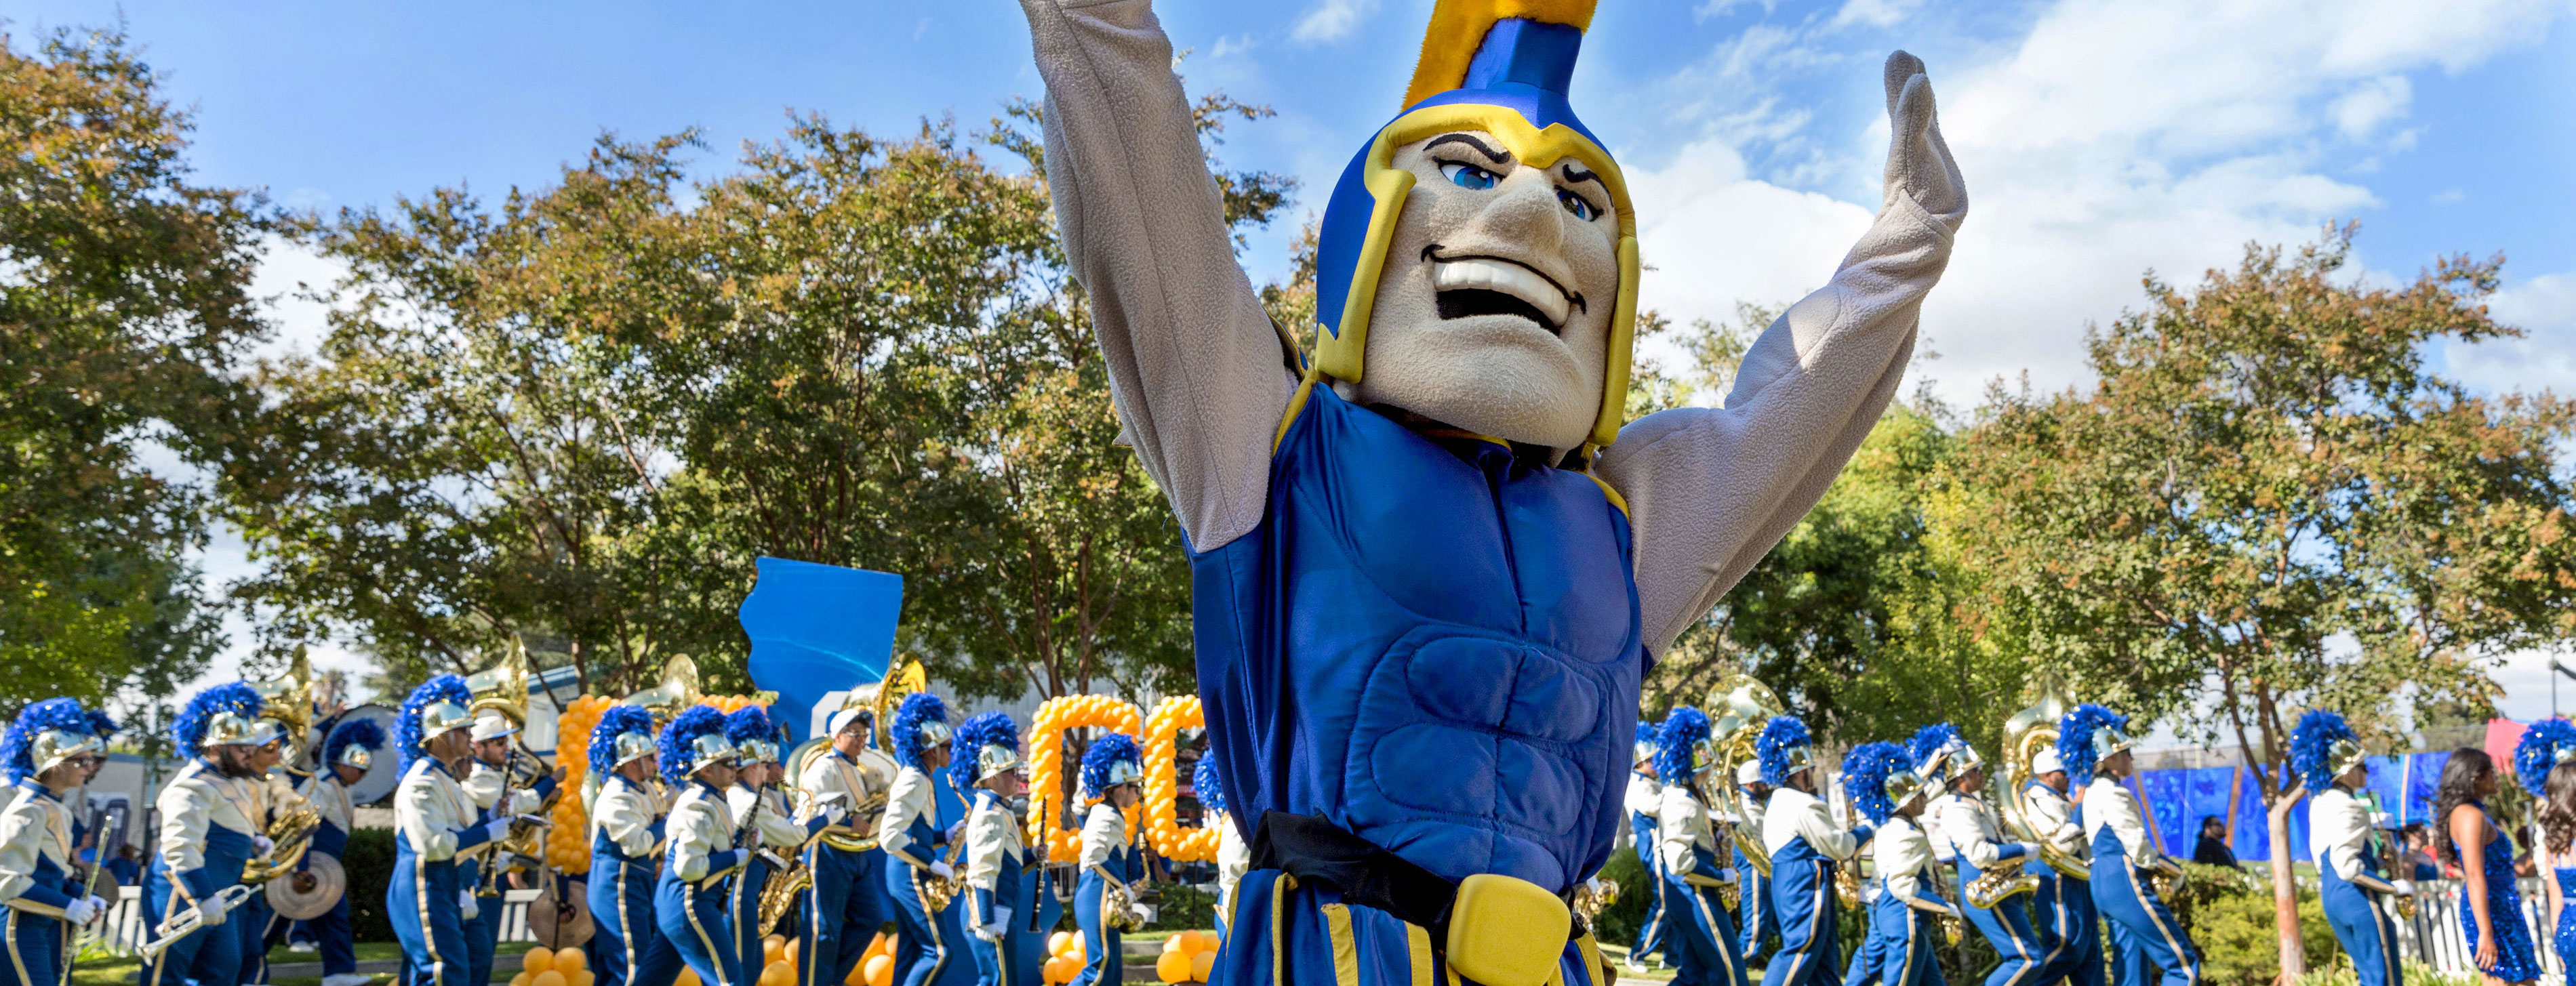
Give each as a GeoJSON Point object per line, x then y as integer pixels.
{"type": "Point", "coordinates": [124, 307]}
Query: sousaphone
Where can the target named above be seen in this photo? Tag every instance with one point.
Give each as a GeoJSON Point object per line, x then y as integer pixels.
{"type": "Point", "coordinates": [2029, 731]}
{"type": "Point", "coordinates": [1738, 708]}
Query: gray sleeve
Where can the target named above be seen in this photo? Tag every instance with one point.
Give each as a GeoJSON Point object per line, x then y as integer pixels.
{"type": "Point", "coordinates": [1195, 365]}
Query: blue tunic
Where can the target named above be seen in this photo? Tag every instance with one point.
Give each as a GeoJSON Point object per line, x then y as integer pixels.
{"type": "Point", "coordinates": [1426, 642]}
{"type": "Point", "coordinates": [628, 948]}
{"type": "Point", "coordinates": [1100, 943]}
{"type": "Point", "coordinates": [35, 941]}
{"type": "Point", "coordinates": [209, 955]}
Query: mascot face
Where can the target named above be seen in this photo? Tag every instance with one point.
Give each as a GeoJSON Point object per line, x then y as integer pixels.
{"type": "Point", "coordinates": [1493, 309]}
{"type": "Point", "coordinates": [1478, 259]}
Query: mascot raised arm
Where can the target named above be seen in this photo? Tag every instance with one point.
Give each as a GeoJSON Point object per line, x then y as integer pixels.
{"type": "Point", "coordinates": [1432, 561]}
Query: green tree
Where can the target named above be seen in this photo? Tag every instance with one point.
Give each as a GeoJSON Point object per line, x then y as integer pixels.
{"type": "Point", "coordinates": [123, 312]}
{"type": "Point", "coordinates": [2267, 501]}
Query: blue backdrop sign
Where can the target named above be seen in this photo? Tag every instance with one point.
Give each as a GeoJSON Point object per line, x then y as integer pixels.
{"type": "Point", "coordinates": [818, 629]}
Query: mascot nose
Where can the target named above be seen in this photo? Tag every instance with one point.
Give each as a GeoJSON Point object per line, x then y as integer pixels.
{"type": "Point", "coordinates": [1526, 212]}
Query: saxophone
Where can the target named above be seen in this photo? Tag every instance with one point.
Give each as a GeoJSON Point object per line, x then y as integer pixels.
{"type": "Point", "coordinates": [290, 835]}
{"type": "Point", "coordinates": [937, 891]}
{"type": "Point", "coordinates": [1997, 885]}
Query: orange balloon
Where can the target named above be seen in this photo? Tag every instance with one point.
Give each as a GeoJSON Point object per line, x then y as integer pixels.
{"type": "Point", "coordinates": [881, 971]}
{"type": "Point", "coordinates": [778, 974]}
{"type": "Point", "coordinates": [1201, 964]}
{"type": "Point", "coordinates": [770, 949]}
{"type": "Point", "coordinates": [1058, 942]}
{"type": "Point", "coordinates": [582, 978]}
{"type": "Point", "coordinates": [538, 959]}
{"type": "Point", "coordinates": [569, 960]}
{"type": "Point", "coordinates": [1173, 967]}
{"type": "Point", "coordinates": [1052, 970]}
{"type": "Point", "coordinates": [1179, 943]}
{"type": "Point", "coordinates": [546, 978]}
{"type": "Point", "coordinates": [688, 977]}
{"type": "Point", "coordinates": [519, 980]}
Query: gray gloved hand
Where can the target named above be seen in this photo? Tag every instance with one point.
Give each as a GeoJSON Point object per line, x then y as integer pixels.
{"type": "Point", "coordinates": [466, 906]}
{"type": "Point", "coordinates": [496, 829]}
{"type": "Point", "coordinates": [261, 844]}
{"type": "Point", "coordinates": [2029, 850]}
{"type": "Point", "coordinates": [1919, 165]}
{"type": "Point", "coordinates": [943, 870]}
{"type": "Point", "coordinates": [79, 912]}
{"type": "Point", "coordinates": [210, 911]}
{"type": "Point", "coordinates": [2405, 888]}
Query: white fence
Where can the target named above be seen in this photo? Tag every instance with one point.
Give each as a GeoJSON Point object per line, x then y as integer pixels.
{"type": "Point", "coordinates": [2434, 936]}
{"type": "Point", "coordinates": [125, 930]}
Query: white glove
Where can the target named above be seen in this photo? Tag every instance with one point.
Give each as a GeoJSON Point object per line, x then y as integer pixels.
{"type": "Point", "coordinates": [833, 813]}
{"type": "Point", "coordinates": [2405, 888]}
{"type": "Point", "coordinates": [1001, 921]}
{"type": "Point", "coordinates": [1919, 165]}
{"type": "Point", "coordinates": [1869, 893]}
{"type": "Point", "coordinates": [943, 870]}
{"type": "Point", "coordinates": [1727, 875]}
{"type": "Point", "coordinates": [97, 904]}
{"type": "Point", "coordinates": [496, 829]}
{"type": "Point", "coordinates": [2382, 820]}
{"type": "Point", "coordinates": [775, 861]}
{"type": "Point", "coordinates": [79, 912]}
{"type": "Point", "coordinates": [1144, 914]}
{"type": "Point", "coordinates": [211, 910]}
{"type": "Point", "coordinates": [465, 905]}
{"type": "Point", "coordinates": [261, 844]}
{"type": "Point", "coordinates": [2029, 850]}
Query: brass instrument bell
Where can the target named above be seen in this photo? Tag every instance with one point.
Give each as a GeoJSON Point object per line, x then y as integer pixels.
{"type": "Point", "coordinates": [678, 690]}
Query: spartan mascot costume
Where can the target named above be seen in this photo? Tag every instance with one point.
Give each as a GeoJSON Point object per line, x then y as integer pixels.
{"type": "Point", "coordinates": [1428, 580]}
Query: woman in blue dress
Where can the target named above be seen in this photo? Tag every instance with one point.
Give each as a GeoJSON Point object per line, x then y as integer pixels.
{"type": "Point", "coordinates": [2545, 760]}
{"type": "Point", "coordinates": [2499, 942]}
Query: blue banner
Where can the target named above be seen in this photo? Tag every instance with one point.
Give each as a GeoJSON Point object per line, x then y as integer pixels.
{"type": "Point", "coordinates": [2176, 801]}
{"type": "Point", "coordinates": [818, 629]}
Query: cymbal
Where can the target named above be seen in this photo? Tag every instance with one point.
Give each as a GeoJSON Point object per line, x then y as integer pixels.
{"type": "Point", "coordinates": [560, 916]}
{"type": "Point", "coordinates": [310, 892]}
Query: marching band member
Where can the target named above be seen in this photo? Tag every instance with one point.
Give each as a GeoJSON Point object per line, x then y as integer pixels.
{"type": "Point", "coordinates": [347, 753]}
{"type": "Point", "coordinates": [486, 781]}
{"type": "Point", "coordinates": [997, 902]}
{"type": "Point", "coordinates": [2095, 750]}
{"type": "Point", "coordinates": [1754, 919]}
{"type": "Point", "coordinates": [689, 898]}
{"type": "Point", "coordinates": [1233, 855]}
{"type": "Point", "coordinates": [47, 753]}
{"type": "Point", "coordinates": [911, 837]}
{"type": "Point", "coordinates": [1685, 841]}
{"type": "Point", "coordinates": [1805, 847]}
{"type": "Point", "coordinates": [1111, 769]}
{"type": "Point", "coordinates": [2329, 758]}
{"type": "Point", "coordinates": [273, 797]}
{"type": "Point", "coordinates": [206, 833]}
{"type": "Point", "coordinates": [626, 835]}
{"type": "Point", "coordinates": [1961, 823]}
{"type": "Point", "coordinates": [844, 906]}
{"type": "Point", "coordinates": [434, 820]}
{"type": "Point", "coordinates": [2062, 911]}
{"type": "Point", "coordinates": [757, 807]}
{"type": "Point", "coordinates": [1891, 795]}
{"type": "Point", "coordinates": [1645, 804]}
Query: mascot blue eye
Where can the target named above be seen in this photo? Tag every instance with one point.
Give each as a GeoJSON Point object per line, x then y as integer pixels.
{"type": "Point", "coordinates": [1575, 204]}
{"type": "Point", "coordinates": [1469, 176]}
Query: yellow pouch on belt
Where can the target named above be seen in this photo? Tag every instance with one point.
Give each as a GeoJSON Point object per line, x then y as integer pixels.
{"type": "Point", "coordinates": [1505, 931]}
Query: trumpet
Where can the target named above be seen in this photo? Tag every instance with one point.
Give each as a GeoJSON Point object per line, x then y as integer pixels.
{"type": "Point", "coordinates": [188, 921]}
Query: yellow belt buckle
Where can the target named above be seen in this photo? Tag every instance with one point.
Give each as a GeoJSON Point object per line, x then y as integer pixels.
{"type": "Point", "coordinates": [1506, 931]}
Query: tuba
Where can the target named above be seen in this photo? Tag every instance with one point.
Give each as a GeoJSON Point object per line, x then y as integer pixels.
{"type": "Point", "coordinates": [2025, 734]}
{"type": "Point", "coordinates": [1737, 709]}
{"type": "Point", "coordinates": [503, 689]}
{"type": "Point", "coordinates": [678, 690]}
{"type": "Point", "coordinates": [289, 700]}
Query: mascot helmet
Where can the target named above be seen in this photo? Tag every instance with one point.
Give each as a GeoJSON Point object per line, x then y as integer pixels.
{"type": "Point", "coordinates": [1498, 66]}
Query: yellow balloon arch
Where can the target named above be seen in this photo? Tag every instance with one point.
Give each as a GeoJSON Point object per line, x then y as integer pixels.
{"type": "Point", "coordinates": [1046, 765]}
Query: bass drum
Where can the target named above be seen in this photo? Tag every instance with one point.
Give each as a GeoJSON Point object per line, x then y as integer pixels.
{"type": "Point", "coordinates": [386, 772]}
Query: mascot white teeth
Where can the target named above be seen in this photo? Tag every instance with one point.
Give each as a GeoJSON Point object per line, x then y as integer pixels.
{"type": "Point", "coordinates": [1428, 588]}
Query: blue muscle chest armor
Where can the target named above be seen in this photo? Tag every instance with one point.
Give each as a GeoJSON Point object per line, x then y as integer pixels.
{"type": "Point", "coordinates": [1439, 650]}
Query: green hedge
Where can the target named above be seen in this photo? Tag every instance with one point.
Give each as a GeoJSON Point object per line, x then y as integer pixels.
{"type": "Point", "coordinates": [370, 864]}
{"type": "Point", "coordinates": [2229, 915]}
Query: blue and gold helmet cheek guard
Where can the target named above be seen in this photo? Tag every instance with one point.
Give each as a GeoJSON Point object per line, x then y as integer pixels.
{"type": "Point", "coordinates": [1513, 87]}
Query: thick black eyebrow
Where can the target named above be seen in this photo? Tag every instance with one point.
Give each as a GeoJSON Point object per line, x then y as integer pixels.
{"type": "Point", "coordinates": [1480, 146]}
{"type": "Point", "coordinates": [1576, 172]}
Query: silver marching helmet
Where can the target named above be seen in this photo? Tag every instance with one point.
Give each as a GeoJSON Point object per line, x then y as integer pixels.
{"type": "Point", "coordinates": [1124, 772]}
{"type": "Point", "coordinates": [934, 732]}
{"type": "Point", "coordinates": [634, 745]}
{"type": "Point", "coordinates": [2108, 740]}
{"type": "Point", "coordinates": [756, 751]}
{"type": "Point", "coordinates": [53, 747]}
{"type": "Point", "coordinates": [1799, 757]}
{"type": "Point", "coordinates": [995, 759]}
{"type": "Point", "coordinates": [442, 717]}
{"type": "Point", "coordinates": [229, 728]}
{"type": "Point", "coordinates": [492, 725]}
{"type": "Point", "coordinates": [1954, 759]}
{"type": "Point", "coordinates": [357, 756]}
{"type": "Point", "coordinates": [1642, 752]}
{"type": "Point", "coordinates": [1905, 785]}
{"type": "Point", "coordinates": [708, 749]}
{"type": "Point", "coordinates": [2347, 754]}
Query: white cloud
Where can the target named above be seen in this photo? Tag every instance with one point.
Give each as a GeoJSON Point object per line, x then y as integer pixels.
{"type": "Point", "coordinates": [1874, 13]}
{"type": "Point", "coordinates": [286, 272]}
{"type": "Point", "coordinates": [1716, 236]}
{"type": "Point", "coordinates": [2372, 102]}
{"type": "Point", "coordinates": [2544, 307]}
{"type": "Point", "coordinates": [1332, 20]}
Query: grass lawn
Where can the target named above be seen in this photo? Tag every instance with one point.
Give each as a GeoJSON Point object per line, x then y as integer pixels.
{"type": "Point", "coordinates": [116, 972]}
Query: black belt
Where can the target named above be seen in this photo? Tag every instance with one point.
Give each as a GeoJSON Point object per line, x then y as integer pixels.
{"type": "Point", "coordinates": [1313, 849]}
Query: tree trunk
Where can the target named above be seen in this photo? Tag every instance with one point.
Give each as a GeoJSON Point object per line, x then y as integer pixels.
{"type": "Point", "coordinates": [2285, 891]}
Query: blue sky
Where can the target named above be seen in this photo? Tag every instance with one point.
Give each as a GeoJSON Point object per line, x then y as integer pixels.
{"type": "Point", "coordinates": [2099, 138]}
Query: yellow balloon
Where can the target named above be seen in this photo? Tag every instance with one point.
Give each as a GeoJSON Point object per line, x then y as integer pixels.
{"type": "Point", "coordinates": [569, 961]}
{"type": "Point", "coordinates": [538, 959]}
{"type": "Point", "coordinates": [1173, 967]}
{"type": "Point", "coordinates": [881, 971]}
{"type": "Point", "coordinates": [1060, 941]}
{"type": "Point", "coordinates": [583, 978]}
{"type": "Point", "coordinates": [519, 980]}
{"type": "Point", "coordinates": [778, 974]}
{"type": "Point", "coordinates": [1201, 964]}
{"type": "Point", "coordinates": [546, 978]}
{"type": "Point", "coordinates": [1178, 943]}
{"type": "Point", "coordinates": [688, 977]}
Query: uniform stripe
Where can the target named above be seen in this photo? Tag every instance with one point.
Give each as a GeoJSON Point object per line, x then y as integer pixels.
{"type": "Point", "coordinates": [715, 958]}
{"type": "Point", "coordinates": [1346, 952]}
{"type": "Point", "coordinates": [2191, 974]}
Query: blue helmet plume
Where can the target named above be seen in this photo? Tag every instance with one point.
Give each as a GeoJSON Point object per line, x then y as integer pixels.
{"type": "Point", "coordinates": [1209, 787]}
{"type": "Point", "coordinates": [100, 725]}
{"type": "Point", "coordinates": [2075, 738]}
{"type": "Point", "coordinates": [1930, 740]}
{"type": "Point", "coordinates": [617, 721]}
{"type": "Point", "coordinates": [2312, 747]}
{"type": "Point", "coordinates": [751, 722]}
{"type": "Point", "coordinates": [363, 732]}
{"type": "Point", "coordinates": [17, 746]}
{"type": "Point", "coordinates": [444, 688]}
{"type": "Point", "coordinates": [2544, 746]}
{"type": "Point", "coordinates": [985, 729]}
{"type": "Point", "coordinates": [1104, 754]}
{"type": "Point", "coordinates": [1865, 772]}
{"type": "Point", "coordinates": [917, 708]}
{"type": "Point", "coordinates": [188, 732]}
{"type": "Point", "coordinates": [1675, 741]}
{"type": "Point", "coordinates": [1772, 749]}
{"type": "Point", "coordinates": [679, 740]}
